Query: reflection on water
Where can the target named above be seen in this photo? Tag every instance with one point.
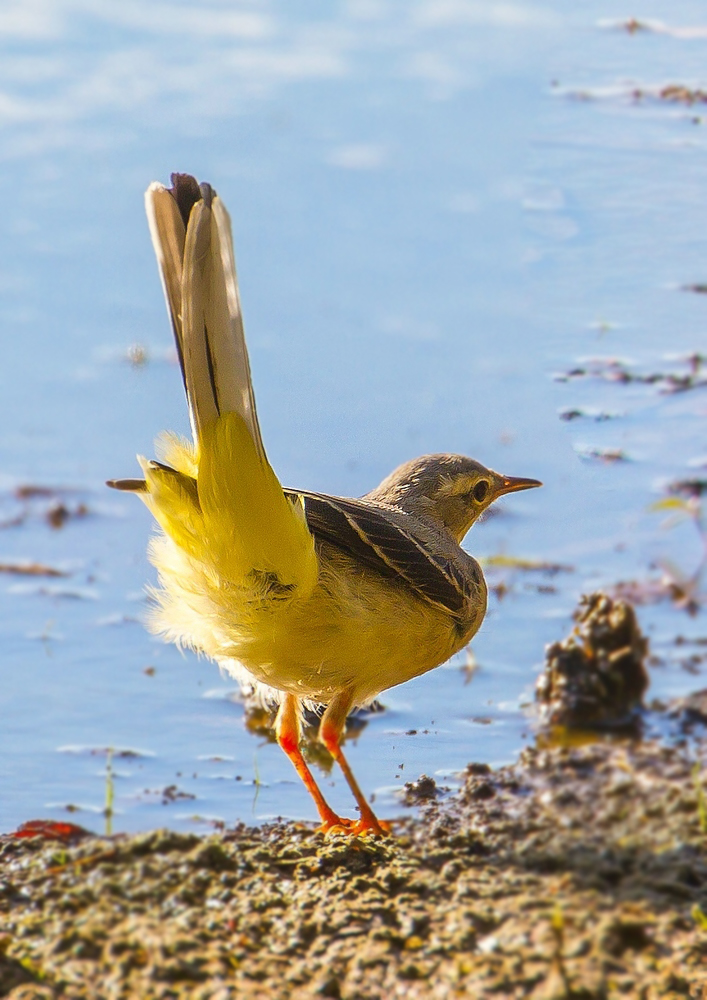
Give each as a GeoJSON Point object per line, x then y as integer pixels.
{"type": "Point", "coordinates": [431, 227]}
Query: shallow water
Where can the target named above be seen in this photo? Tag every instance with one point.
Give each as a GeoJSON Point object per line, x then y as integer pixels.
{"type": "Point", "coordinates": [439, 208]}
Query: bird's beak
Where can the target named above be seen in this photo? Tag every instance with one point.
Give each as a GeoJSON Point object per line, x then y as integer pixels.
{"type": "Point", "coordinates": [513, 484]}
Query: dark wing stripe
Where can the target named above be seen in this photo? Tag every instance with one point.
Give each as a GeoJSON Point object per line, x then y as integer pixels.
{"type": "Point", "coordinates": [403, 553]}
{"type": "Point", "coordinates": [399, 533]}
{"type": "Point", "coordinates": [382, 545]}
{"type": "Point", "coordinates": [329, 523]}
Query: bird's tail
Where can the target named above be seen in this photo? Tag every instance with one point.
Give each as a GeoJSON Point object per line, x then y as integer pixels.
{"type": "Point", "coordinates": [219, 499]}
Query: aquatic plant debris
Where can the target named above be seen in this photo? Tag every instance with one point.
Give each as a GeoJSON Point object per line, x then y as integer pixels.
{"type": "Point", "coordinates": [609, 455]}
{"type": "Point", "coordinates": [671, 585]}
{"type": "Point", "coordinates": [617, 370]}
{"type": "Point", "coordinates": [55, 505]}
{"type": "Point", "coordinates": [528, 565]}
{"type": "Point", "coordinates": [27, 568]}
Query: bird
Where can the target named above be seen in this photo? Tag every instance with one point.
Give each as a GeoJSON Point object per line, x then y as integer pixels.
{"type": "Point", "coordinates": [312, 600]}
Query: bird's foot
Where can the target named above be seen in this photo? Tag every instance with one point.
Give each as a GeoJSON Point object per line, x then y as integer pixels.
{"type": "Point", "coordinates": [335, 824]}
{"type": "Point", "coordinates": [355, 827]}
{"type": "Point", "coordinates": [371, 825]}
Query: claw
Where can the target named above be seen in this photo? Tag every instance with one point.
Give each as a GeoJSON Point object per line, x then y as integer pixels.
{"type": "Point", "coordinates": [338, 824]}
{"type": "Point", "coordinates": [355, 828]}
{"type": "Point", "coordinates": [378, 827]}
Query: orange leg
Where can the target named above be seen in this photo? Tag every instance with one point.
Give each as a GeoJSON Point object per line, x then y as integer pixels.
{"type": "Point", "coordinates": [330, 730]}
{"type": "Point", "coordinates": [287, 730]}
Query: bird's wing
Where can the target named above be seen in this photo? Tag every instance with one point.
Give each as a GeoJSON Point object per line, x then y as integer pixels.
{"type": "Point", "coordinates": [381, 543]}
{"type": "Point", "coordinates": [373, 539]}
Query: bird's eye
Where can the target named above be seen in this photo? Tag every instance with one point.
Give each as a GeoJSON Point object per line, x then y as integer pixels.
{"type": "Point", "coordinates": [480, 491]}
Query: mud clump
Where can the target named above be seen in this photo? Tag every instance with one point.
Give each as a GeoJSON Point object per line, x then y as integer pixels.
{"type": "Point", "coordinates": [425, 789]}
{"type": "Point", "coordinates": [596, 677]}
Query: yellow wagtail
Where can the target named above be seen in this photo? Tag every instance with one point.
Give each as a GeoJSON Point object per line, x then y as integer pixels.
{"type": "Point", "coordinates": [311, 598]}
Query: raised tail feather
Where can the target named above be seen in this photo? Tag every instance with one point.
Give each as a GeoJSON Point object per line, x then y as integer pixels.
{"type": "Point", "coordinates": [233, 516]}
{"type": "Point", "coordinates": [191, 234]}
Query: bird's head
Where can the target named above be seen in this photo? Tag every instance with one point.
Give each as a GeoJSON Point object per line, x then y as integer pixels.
{"type": "Point", "coordinates": [451, 489]}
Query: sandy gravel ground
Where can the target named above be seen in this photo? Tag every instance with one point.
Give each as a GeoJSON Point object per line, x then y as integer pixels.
{"type": "Point", "coordinates": [576, 873]}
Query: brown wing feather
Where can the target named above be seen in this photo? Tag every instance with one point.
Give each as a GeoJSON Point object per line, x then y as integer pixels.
{"type": "Point", "coordinates": [386, 547]}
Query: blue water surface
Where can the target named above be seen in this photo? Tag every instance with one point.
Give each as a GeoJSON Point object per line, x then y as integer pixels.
{"type": "Point", "coordinates": [441, 208]}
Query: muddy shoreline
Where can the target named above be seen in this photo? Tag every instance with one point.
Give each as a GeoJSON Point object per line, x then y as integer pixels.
{"type": "Point", "coordinates": [577, 872]}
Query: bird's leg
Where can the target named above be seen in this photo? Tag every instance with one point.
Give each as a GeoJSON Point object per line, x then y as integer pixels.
{"type": "Point", "coordinates": [287, 730]}
{"type": "Point", "coordinates": [330, 731]}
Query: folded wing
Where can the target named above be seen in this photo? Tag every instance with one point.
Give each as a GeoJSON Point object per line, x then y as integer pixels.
{"type": "Point", "coordinates": [383, 544]}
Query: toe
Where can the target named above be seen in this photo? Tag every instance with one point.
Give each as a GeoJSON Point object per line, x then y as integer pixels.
{"type": "Point", "coordinates": [336, 824]}
{"type": "Point", "coordinates": [371, 826]}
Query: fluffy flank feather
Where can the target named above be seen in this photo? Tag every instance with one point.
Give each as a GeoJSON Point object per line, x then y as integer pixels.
{"type": "Point", "coordinates": [177, 451]}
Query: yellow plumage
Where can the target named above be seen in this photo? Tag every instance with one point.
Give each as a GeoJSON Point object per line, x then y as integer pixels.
{"type": "Point", "coordinates": [308, 597]}
{"type": "Point", "coordinates": [241, 581]}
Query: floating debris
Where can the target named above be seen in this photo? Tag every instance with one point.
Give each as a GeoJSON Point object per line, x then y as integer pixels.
{"type": "Point", "coordinates": [678, 92]}
{"type": "Point", "coordinates": [616, 370]}
{"type": "Point", "coordinates": [608, 455]}
{"type": "Point", "coordinates": [58, 513]}
{"type": "Point", "coordinates": [31, 569]}
{"type": "Point", "coordinates": [575, 414]}
{"type": "Point", "coordinates": [540, 588]}
{"type": "Point", "coordinates": [672, 586]}
{"type": "Point", "coordinates": [31, 492]}
{"type": "Point", "coordinates": [672, 93]}
{"type": "Point", "coordinates": [54, 504]}
{"type": "Point", "coordinates": [527, 565]}
{"type": "Point", "coordinates": [596, 677]}
{"type": "Point", "coordinates": [173, 794]}
{"type": "Point", "coordinates": [633, 26]}
{"type": "Point", "coordinates": [55, 591]}
{"type": "Point", "coordinates": [125, 753]}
